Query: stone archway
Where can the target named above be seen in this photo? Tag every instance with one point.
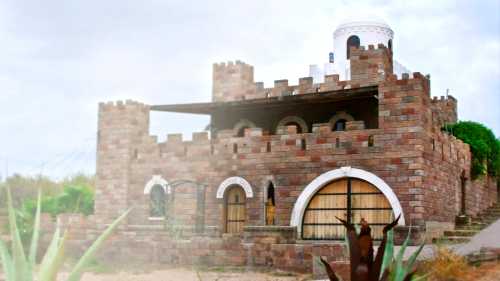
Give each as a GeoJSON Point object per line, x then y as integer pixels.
{"type": "Point", "coordinates": [345, 172]}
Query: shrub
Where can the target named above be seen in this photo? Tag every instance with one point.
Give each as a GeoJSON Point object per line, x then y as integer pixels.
{"type": "Point", "coordinates": [445, 266]}
{"type": "Point", "coordinates": [73, 199]}
{"type": "Point", "coordinates": [485, 147]}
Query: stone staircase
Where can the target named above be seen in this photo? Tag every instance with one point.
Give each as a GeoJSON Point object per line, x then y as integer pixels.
{"type": "Point", "coordinates": [463, 233]}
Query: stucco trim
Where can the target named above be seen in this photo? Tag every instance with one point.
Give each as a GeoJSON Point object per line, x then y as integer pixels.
{"type": "Point", "coordinates": [344, 172]}
{"type": "Point", "coordinates": [157, 180]}
{"type": "Point", "coordinates": [234, 181]}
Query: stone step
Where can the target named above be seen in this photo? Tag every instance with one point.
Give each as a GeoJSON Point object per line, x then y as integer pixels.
{"type": "Point", "coordinates": [452, 239]}
{"type": "Point", "coordinates": [483, 256]}
{"type": "Point", "coordinates": [461, 232]}
{"type": "Point", "coordinates": [470, 228]}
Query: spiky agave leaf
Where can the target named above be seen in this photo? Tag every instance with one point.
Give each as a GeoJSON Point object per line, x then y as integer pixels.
{"type": "Point", "coordinates": [52, 260]}
{"type": "Point", "coordinates": [36, 231]}
{"type": "Point", "coordinates": [7, 263]}
{"type": "Point", "coordinates": [388, 252]}
{"type": "Point", "coordinates": [329, 270]}
{"type": "Point", "coordinates": [378, 269]}
{"type": "Point", "coordinates": [20, 266]}
{"type": "Point", "coordinates": [77, 271]}
{"type": "Point", "coordinates": [399, 269]}
{"type": "Point", "coordinates": [413, 258]}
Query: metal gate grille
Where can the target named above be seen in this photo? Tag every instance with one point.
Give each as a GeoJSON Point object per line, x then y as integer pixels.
{"type": "Point", "coordinates": [350, 199]}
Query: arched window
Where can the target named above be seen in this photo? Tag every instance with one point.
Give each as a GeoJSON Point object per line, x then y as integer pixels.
{"type": "Point", "coordinates": [351, 199]}
{"type": "Point", "coordinates": [270, 205]}
{"type": "Point", "coordinates": [157, 201]}
{"type": "Point", "coordinates": [235, 209]}
{"type": "Point", "coordinates": [352, 41]}
{"type": "Point", "coordinates": [338, 121]}
{"type": "Point", "coordinates": [389, 44]}
{"type": "Point", "coordinates": [340, 125]}
{"type": "Point", "coordinates": [293, 120]}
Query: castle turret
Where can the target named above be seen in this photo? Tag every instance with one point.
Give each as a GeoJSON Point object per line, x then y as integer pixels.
{"type": "Point", "coordinates": [353, 34]}
{"type": "Point", "coordinates": [121, 127]}
{"type": "Point", "coordinates": [232, 81]}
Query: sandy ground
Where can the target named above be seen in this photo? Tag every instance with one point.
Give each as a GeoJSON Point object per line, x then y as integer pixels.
{"type": "Point", "coordinates": [486, 272]}
{"type": "Point", "coordinates": [186, 274]}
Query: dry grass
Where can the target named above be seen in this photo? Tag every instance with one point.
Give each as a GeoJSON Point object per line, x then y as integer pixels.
{"type": "Point", "coordinates": [447, 266]}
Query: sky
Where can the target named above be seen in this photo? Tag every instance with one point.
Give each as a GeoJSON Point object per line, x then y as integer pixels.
{"type": "Point", "coordinates": [59, 59]}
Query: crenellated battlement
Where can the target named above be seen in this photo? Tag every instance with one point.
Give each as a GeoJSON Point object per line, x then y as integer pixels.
{"type": "Point", "coordinates": [444, 110]}
{"type": "Point", "coordinates": [130, 104]}
{"type": "Point", "coordinates": [234, 81]}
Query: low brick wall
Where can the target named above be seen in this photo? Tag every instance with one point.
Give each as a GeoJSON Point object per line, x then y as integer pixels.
{"type": "Point", "coordinates": [259, 246]}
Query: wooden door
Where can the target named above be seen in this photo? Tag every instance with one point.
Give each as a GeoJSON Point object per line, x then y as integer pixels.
{"type": "Point", "coordinates": [350, 199]}
{"type": "Point", "coordinates": [319, 217]}
{"type": "Point", "coordinates": [235, 209]}
{"type": "Point", "coordinates": [369, 203]}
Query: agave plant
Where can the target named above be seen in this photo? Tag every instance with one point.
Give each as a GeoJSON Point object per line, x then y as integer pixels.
{"type": "Point", "coordinates": [382, 267]}
{"type": "Point", "coordinates": [19, 267]}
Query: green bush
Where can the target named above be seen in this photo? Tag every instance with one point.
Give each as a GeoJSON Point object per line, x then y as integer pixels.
{"type": "Point", "coordinates": [485, 147]}
{"type": "Point", "coordinates": [73, 199]}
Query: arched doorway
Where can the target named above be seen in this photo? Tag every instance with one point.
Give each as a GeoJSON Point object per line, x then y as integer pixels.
{"type": "Point", "coordinates": [234, 209]}
{"type": "Point", "coordinates": [350, 199]}
{"type": "Point", "coordinates": [363, 185]}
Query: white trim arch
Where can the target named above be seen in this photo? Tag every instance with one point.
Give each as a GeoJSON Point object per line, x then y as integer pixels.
{"type": "Point", "coordinates": [234, 181]}
{"type": "Point", "coordinates": [294, 119]}
{"type": "Point", "coordinates": [344, 172]}
{"type": "Point", "coordinates": [157, 180]}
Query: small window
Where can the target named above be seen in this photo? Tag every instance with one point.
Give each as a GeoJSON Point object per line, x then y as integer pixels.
{"type": "Point", "coordinates": [303, 144]}
{"type": "Point", "coordinates": [157, 202]}
{"type": "Point", "coordinates": [340, 125]}
{"type": "Point", "coordinates": [389, 44]}
{"type": "Point", "coordinates": [352, 41]}
{"type": "Point", "coordinates": [270, 205]}
{"type": "Point", "coordinates": [370, 141]}
{"type": "Point", "coordinates": [235, 148]}
{"type": "Point", "coordinates": [268, 146]}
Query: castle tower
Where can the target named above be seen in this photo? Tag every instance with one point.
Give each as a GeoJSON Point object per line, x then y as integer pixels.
{"type": "Point", "coordinates": [121, 126]}
{"type": "Point", "coordinates": [358, 33]}
{"type": "Point", "coordinates": [370, 31]}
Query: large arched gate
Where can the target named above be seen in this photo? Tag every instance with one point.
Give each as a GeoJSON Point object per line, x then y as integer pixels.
{"type": "Point", "coordinates": [347, 198]}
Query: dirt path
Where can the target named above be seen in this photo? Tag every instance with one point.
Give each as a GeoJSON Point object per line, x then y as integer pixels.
{"type": "Point", "coordinates": [184, 274]}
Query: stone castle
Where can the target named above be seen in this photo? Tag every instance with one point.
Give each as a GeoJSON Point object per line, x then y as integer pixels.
{"type": "Point", "coordinates": [263, 187]}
